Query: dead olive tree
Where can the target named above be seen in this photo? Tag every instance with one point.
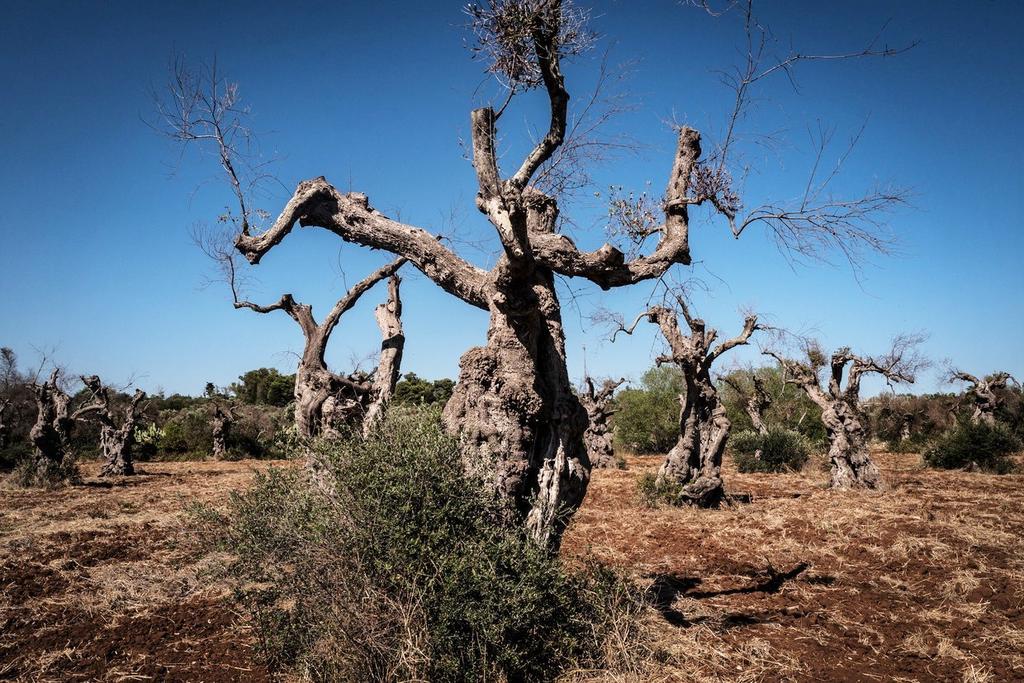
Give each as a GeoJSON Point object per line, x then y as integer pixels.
{"type": "Point", "coordinates": [756, 399]}
{"type": "Point", "coordinates": [600, 407]}
{"type": "Point", "coordinates": [324, 400]}
{"type": "Point", "coordinates": [694, 464]}
{"type": "Point", "coordinates": [5, 427]}
{"type": "Point", "coordinates": [983, 392]}
{"type": "Point", "coordinates": [519, 422]}
{"type": "Point", "coordinates": [116, 439]}
{"type": "Point", "coordinates": [204, 109]}
{"type": "Point", "coordinates": [841, 412]}
{"type": "Point", "coordinates": [220, 425]}
{"type": "Point", "coordinates": [389, 362]}
{"type": "Point", "coordinates": [51, 434]}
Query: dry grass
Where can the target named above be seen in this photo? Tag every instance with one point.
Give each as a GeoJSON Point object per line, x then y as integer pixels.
{"type": "Point", "coordinates": [99, 582]}
{"type": "Point", "coordinates": [921, 582]}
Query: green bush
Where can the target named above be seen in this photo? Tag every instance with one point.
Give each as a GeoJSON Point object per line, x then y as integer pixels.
{"type": "Point", "coordinates": [50, 476]}
{"type": "Point", "coordinates": [969, 444]}
{"type": "Point", "coordinates": [647, 419]}
{"type": "Point", "coordinates": [790, 406]}
{"type": "Point", "coordinates": [12, 455]}
{"type": "Point", "coordinates": [781, 450]}
{"type": "Point", "coordinates": [402, 574]}
{"type": "Point", "coordinates": [187, 434]}
{"type": "Point", "coordinates": [653, 492]}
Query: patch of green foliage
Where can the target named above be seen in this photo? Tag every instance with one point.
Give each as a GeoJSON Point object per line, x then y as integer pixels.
{"type": "Point", "coordinates": [647, 418]}
{"type": "Point", "coordinates": [969, 444]}
{"type": "Point", "coordinates": [414, 390]}
{"type": "Point", "coordinates": [780, 450]}
{"type": "Point", "coordinates": [790, 407]}
{"type": "Point", "coordinates": [402, 572]}
{"type": "Point", "coordinates": [653, 492]}
{"type": "Point", "coordinates": [50, 475]}
{"type": "Point", "coordinates": [264, 386]}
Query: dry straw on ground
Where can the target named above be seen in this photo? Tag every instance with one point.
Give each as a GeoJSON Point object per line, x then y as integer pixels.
{"type": "Point", "coordinates": [921, 582]}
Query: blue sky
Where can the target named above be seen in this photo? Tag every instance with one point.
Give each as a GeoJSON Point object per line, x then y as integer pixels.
{"type": "Point", "coordinates": [96, 258]}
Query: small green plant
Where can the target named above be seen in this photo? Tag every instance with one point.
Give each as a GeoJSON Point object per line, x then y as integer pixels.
{"type": "Point", "coordinates": [654, 493]}
{"type": "Point", "coordinates": [780, 450]}
{"type": "Point", "coordinates": [28, 473]}
{"type": "Point", "coordinates": [915, 443]}
{"type": "Point", "coordinates": [402, 573]}
{"type": "Point", "coordinates": [974, 445]}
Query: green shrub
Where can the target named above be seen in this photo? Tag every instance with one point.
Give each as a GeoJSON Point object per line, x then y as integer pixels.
{"type": "Point", "coordinates": [647, 419]}
{"type": "Point", "coordinates": [51, 475]}
{"type": "Point", "coordinates": [781, 450]}
{"type": "Point", "coordinates": [969, 444]}
{"type": "Point", "coordinates": [187, 434]}
{"type": "Point", "coordinates": [916, 443]}
{"type": "Point", "coordinates": [402, 574]}
{"type": "Point", "coordinates": [653, 492]}
{"type": "Point", "coordinates": [12, 455]}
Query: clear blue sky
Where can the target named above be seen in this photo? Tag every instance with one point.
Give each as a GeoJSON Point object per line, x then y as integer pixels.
{"type": "Point", "coordinates": [95, 256]}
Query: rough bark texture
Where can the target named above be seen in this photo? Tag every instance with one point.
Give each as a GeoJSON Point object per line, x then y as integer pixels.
{"type": "Point", "coordinates": [756, 404]}
{"type": "Point", "coordinates": [983, 393]}
{"type": "Point", "coordinates": [844, 421]}
{"type": "Point", "coordinates": [220, 425]}
{"type": "Point", "coordinates": [694, 464]}
{"type": "Point", "coordinates": [53, 427]}
{"type": "Point", "coordinates": [116, 440]}
{"type": "Point", "coordinates": [389, 367]}
{"type": "Point", "coordinates": [324, 400]}
{"type": "Point", "coordinates": [598, 436]}
{"type": "Point", "coordinates": [519, 423]}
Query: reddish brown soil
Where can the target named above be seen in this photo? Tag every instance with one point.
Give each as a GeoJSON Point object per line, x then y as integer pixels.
{"type": "Point", "coordinates": [921, 582]}
{"type": "Point", "coordinates": [96, 583]}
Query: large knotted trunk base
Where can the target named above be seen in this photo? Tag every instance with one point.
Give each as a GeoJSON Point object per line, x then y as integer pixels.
{"type": "Point", "coordinates": [599, 405]}
{"type": "Point", "coordinates": [117, 444]}
{"type": "Point", "coordinates": [694, 464]}
{"type": "Point", "coordinates": [51, 432]}
{"type": "Point", "coordinates": [519, 424]}
{"type": "Point", "coordinates": [598, 440]}
{"type": "Point", "coordinates": [848, 450]}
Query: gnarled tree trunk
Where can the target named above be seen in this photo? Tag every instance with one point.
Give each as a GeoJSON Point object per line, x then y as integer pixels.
{"type": "Point", "coordinates": [52, 429]}
{"type": "Point", "coordinates": [694, 465]}
{"type": "Point", "coordinates": [983, 392]}
{"type": "Point", "coordinates": [389, 367]}
{"type": "Point", "coordinates": [755, 403]}
{"type": "Point", "coordinates": [840, 407]}
{"type": "Point", "coordinates": [220, 425]}
{"type": "Point", "coordinates": [116, 440]}
{"type": "Point", "coordinates": [848, 449]}
{"type": "Point", "coordinates": [5, 427]}
{"type": "Point", "coordinates": [518, 421]}
{"type": "Point", "coordinates": [598, 436]}
{"type": "Point", "coordinates": [325, 401]}
{"type": "Point", "coordinates": [695, 462]}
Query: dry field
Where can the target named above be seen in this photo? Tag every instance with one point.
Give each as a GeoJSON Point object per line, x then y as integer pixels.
{"type": "Point", "coordinates": [921, 582]}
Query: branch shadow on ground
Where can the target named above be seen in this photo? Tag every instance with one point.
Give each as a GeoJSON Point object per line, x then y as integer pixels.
{"type": "Point", "coordinates": [666, 588]}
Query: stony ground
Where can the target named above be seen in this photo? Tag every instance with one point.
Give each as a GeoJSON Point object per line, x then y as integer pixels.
{"type": "Point", "coordinates": [921, 582]}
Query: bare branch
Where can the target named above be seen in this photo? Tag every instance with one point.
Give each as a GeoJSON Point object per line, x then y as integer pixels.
{"type": "Point", "coordinates": [317, 203]}
{"type": "Point", "coordinates": [202, 108]}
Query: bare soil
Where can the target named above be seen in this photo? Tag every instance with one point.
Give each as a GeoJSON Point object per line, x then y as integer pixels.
{"type": "Point", "coordinates": [921, 582]}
